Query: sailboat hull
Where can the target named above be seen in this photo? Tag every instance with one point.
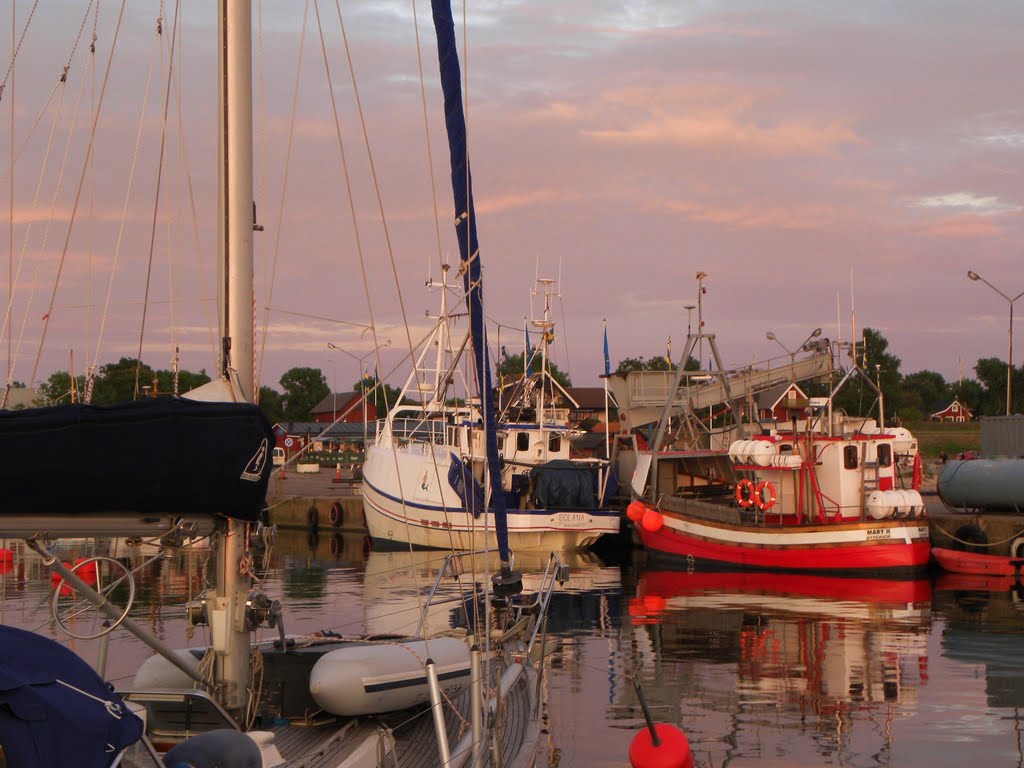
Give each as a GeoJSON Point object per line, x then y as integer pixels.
{"type": "Point", "coordinates": [408, 500]}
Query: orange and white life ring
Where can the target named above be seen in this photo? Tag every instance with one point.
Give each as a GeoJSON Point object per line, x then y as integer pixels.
{"type": "Point", "coordinates": [764, 495]}
{"type": "Point", "coordinates": [745, 493]}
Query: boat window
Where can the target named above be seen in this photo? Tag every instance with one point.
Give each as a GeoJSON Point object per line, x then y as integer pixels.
{"type": "Point", "coordinates": [555, 443]}
{"type": "Point", "coordinates": [786, 448]}
{"type": "Point", "coordinates": [850, 457]}
{"type": "Point", "coordinates": [884, 455]}
{"type": "Point", "coordinates": [522, 441]}
{"type": "Point", "coordinates": [501, 442]}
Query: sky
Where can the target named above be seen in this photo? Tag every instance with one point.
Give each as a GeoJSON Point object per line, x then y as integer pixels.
{"type": "Point", "coordinates": [826, 164]}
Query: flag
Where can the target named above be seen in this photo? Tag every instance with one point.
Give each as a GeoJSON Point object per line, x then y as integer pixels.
{"type": "Point", "coordinates": [607, 360]}
{"type": "Point", "coordinates": [668, 353]}
{"type": "Point", "coordinates": [528, 360]}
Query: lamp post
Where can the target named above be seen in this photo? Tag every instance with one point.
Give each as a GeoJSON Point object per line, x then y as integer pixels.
{"type": "Point", "coordinates": [334, 389]}
{"type": "Point", "coordinates": [362, 376]}
{"type": "Point", "coordinates": [792, 353]}
{"type": "Point", "coordinates": [1009, 351]}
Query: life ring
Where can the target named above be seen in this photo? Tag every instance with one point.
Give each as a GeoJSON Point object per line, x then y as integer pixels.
{"type": "Point", "coordinates": [1017, 548]}
{"type": "Point", "coordinates": [764, 495]}
{"type": "Point", "coordinates": [336, 514]}
{"type": "Point", "coordinates": [745, 493]}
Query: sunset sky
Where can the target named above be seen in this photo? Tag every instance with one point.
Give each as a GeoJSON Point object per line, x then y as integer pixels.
{"type": "Point", "coordinates": [810, 157]}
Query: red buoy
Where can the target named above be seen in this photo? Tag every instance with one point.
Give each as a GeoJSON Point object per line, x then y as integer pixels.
{"type": "Point", "coordinates": [653, 520]}
{"type": "Point", "coordinates": [673, 751]}
{"type": "Point", "coordinates": [635, 511]}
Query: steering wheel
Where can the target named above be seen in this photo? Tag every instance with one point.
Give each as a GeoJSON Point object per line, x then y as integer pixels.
{"type": "Point", "coordinates": [76, 614]}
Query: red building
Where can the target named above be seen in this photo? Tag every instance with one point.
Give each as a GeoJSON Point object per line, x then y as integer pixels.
{"type": "Point", "coordinates": [348, 403]}
{"type": "Point", "coordinates": [955, 411]}
{"type": "Point", "coordinates": [781, 403]}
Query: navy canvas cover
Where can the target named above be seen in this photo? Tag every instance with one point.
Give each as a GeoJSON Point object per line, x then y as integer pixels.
{"type": "Point", "coordinates": [162, 455]}
{"type": "Point", "coordinates": [562, 484]}
{"type": "Point", "coordinates": [54, 709]}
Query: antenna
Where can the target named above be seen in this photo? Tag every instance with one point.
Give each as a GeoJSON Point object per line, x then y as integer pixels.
{"type": "Point", "coordinates": [853, 321]}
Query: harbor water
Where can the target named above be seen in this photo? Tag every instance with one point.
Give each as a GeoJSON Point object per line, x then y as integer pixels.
{"type": "Point", "coordinates": [757, 669]}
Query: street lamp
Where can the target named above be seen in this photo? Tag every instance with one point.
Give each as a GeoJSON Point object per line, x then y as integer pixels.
{"type": "Point", "coordinates": [1009, 352]}
{"type": "Point", "coordinates": [362, 374]}
{"type": "Point", "coordinates": [803, 346]}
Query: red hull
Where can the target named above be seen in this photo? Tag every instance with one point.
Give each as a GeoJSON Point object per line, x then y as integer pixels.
{"type": "Point", "coordinates": [889, 555]}
{"type": "Point", "coordinates": [955, 561]}
{"type": "Point", "coordinates": [876, 591]}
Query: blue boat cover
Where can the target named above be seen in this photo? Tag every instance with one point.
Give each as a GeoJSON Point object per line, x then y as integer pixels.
{"type": "Point", "coordinates": [55, 711]}
{"type": "Point", "coordinates": [163, 455]}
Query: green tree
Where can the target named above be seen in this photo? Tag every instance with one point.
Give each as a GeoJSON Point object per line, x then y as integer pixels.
{"type": "Point", "coordinates": [56, 390]}
{"type": "Point", "coordinates": [512, 368]}
{"type": "Point", "coordinates": [303, 389]}
{"type": "Point", "coordinates": [187, 381]}
{"type": "Point", "coordinates": [991, 373]}
{"type": "Point", "coordinates": [115, 382]}
{"type": "Point", "coordinates": [859, 399]}
{"type": "Point", "coordinates": [656, 363]}
{"type": "Point", "coordinates": [383, 397]}
{"type": "Point", "coordinates": [271, 404]}
{"type": "Point", "coordinates": [923, 392]}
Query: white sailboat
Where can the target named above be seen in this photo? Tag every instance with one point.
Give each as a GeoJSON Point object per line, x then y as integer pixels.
{"type": "Point", "coordinates": [422, 476]}
{"type": "Point", "coordinates": [328, 700]}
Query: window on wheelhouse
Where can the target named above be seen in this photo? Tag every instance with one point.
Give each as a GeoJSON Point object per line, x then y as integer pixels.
{"type": "Point", "coordinates": [555, 443]}
{"type": "Point", "coordinates": [850, 457]}
{"type": "Point", "coordinates": [884, 455]}
{"type": "Point", "coordinates": [522, 441]}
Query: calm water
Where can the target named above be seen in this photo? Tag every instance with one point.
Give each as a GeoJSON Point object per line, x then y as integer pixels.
{"type": "Point", "coordinates": [757, 669]}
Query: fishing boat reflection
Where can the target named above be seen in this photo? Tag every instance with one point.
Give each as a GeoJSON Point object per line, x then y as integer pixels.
{"type": "Point", "coordinates": [812, 653]}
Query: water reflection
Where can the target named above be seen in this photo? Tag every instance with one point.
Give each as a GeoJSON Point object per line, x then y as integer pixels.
{"type": "Point", "coordinates": [758, 669]}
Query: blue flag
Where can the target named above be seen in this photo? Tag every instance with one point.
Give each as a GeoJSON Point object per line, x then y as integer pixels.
{"type": "Point", "coordinates": [607, 360]}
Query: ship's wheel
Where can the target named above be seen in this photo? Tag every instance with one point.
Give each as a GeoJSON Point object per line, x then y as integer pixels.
{"type": "Point", "coordinates": [82, 618]}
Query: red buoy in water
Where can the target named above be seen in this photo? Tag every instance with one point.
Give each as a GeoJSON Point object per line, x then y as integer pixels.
{"type": "Point", "coordinates": [672, 752]}
{"type": "Point", "coordinates": [635, 511]}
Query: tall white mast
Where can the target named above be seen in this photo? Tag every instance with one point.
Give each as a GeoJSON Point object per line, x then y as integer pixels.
{"type": "Point", "coordinates": [227, 619]}
{"type": "Point", "coordinates": [236, 195]}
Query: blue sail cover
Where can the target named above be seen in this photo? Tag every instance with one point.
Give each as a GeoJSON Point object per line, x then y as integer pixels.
{"type": "Point", "coordinates": [469, 249]}
{"type": "Point", "coordinates": [55, 711]}
{"type": "Point", "coordinates": [162, 455]}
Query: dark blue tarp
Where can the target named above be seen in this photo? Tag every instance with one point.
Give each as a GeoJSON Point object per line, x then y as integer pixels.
{"type": "Point", "coordinates": [459, 478]}
{"type": "Point", "coordinates": [162, 455]}
{"type": "Point", "coordinates": [55, 711]}
{"type": "Point", "coordinates": [562, 484]}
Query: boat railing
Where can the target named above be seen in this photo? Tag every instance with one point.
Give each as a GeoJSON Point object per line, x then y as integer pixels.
{"type": "Point", "coordinates": [419, 430]}
{"type": "Point", "coordinates": [555, 574]}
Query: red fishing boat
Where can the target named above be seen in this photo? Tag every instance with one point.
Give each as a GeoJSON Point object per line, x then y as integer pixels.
{"type": "Point", "coordinates": [819, 492]}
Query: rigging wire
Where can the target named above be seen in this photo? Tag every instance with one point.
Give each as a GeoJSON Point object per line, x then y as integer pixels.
{"type": "Point", "coordinates": [78, 194]}
{"type": "Point", "coordinates": [17, 48]}
{"type": "Point", "coordinates": [156, 201]}
{"type": "Point", "coordinates": [7, 326]}
{"type": "Point", "coordinates": [269, 287]}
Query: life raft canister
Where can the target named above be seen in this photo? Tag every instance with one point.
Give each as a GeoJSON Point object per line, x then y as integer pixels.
{"type": "Point", "coordinates": [745, 493]}
{"type": "Point", "coordinates": [764, 495]}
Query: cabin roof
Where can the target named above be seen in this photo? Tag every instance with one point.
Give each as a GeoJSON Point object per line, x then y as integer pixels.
{"type": "Point", "coordinates": [769, 398]}
{"type": "Point", "coordinates": [330, 404]}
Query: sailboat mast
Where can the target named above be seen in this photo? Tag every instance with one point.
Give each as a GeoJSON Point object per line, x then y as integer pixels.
{"type": "Point", "coordinates": [469, 251]}
{"type": "Point", "coordinates": [229, 631]}
{"type": "Point", "coordinates": [236, 196]}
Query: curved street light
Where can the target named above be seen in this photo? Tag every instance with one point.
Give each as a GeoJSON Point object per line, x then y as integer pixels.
{"type": "Point", "coordinates": [971, 274]}
{"type": "Point", "coordinates": [803, 345]}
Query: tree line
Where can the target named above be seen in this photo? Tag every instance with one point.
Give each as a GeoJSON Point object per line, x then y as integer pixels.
{"type": "Point", "coordinates": [911, 397]}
